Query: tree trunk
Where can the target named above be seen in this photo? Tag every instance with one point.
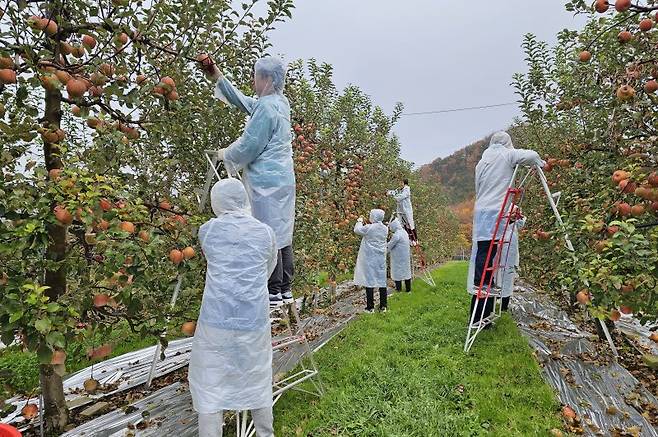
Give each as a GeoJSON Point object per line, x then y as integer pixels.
{"type": "Point", "coordinates": [56, 412]}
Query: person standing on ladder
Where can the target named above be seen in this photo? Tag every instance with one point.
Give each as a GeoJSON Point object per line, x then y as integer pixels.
{"type": "Point", "coordinates": [405, 211]}
{"type": "Point", "coordinates": [264, 151]}
{"type": "Point", "coordinates": [398, 247]}
{"type": "Point", "coordinates": [231, 359]}
{"type": "Point", "coordinates": [493, 175]}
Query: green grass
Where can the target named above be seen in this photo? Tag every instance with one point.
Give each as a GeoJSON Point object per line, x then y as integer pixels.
{"type": "Point", "coordinates": [404, 373]}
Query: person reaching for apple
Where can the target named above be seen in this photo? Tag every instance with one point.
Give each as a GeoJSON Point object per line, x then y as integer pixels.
{"type": "Point", "coordinates": [493, 175]}
{"type": "Point", "coordinates": [370, 269]}
{"type": "Point", "coordinates": [264, 152]}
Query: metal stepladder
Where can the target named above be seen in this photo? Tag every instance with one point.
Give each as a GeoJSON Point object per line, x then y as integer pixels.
{"type": "Point", "coordinates": [419, 266]}
{"type": "Point", "coordinates": [500, 242]}
{"type": "Point", "coordinates": [290, 347]}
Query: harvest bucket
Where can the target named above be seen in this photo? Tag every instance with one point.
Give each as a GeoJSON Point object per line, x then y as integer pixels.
{"type": "Point", "coordinates": [8, 431]}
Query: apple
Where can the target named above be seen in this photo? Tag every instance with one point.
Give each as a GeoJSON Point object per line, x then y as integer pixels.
{"type": "Point", "coordinates": [4, 278]}
{"type": "Point", "coordinates": [7, 76]}
{"type": "Point", "coordinates": [620, 175]}
{"type": "Point", "coordinates": [625, 309]}
{"type": "Point", "coordinates": [101, 300]}
{"type": "Point", "coordinates": [55, 173]}
{"type": "Point", "coordinates": [106, 69]}
{"type": "Point", "coordinates": [91, 385]}
{"type": "Point", "coordinates": [76, 88]}
{"type": "Point", "coordinates": [654, 336]}
{"type": "Point", "coordinates": [585, 56]}
{"type": "Point", "coordinates": [62, 215]}
{"type": "Point", "coordinates": [624, 209]}
{"type": "Point", "coordinates": [625, 92]}
{"type": "Point", "coordinates": [103, 225]}
{"type": "Point", "coordinates": [614, 315]}
{"type": "Point", "coordinates": [144, 236]}
{"type": "Point", "coordinates": [173, 96]}
{"type": "Point", "coordinates": [6, 62]}
{"type": "Point", "coordinates": [105, 205]}
{"type": "Point", "coordinates": [127, 227]}
{"type": "Point", "coordinates": [612, 230]}
{"type": "Point", "coordinates": [646, 24]}
{"type": "Point", "coordinates": [188, 328]}
{"type": "Point", "coordinates": [88, 41]}
{"type": "Point", "coordinates": [568, 412]}
{"type": "Point", "coordinates": [176, 256]}
{"type": "Point", "coordinates": [168, 83]}
{"type": "Point", "coordinates": [30, 411]}
{"type": "Point", "coordinates": [165, 205]}
{"type": "Point", "coordinates": [653, 179]}
{"type": "Point", "coordinates": [122, 38]}
{"type": "Point", "coordinates": [601, 6]}
{"type": "Point", "coordinates": [188, 253]}
{"type": "Point", "coordinates": [624, 36]}
{"type": "Point", "coordinates": [140, 79]}
{"type": "Point", "coordinates": [622, 5]}
{"type": "Point", "coordinates": [627, 288]}
{"type": "Point", "coordinates": [637, 210]}
{"type": "Point", "coordinates": [583, 297]}
{"type": "Point", "coordinates": [58, 358]}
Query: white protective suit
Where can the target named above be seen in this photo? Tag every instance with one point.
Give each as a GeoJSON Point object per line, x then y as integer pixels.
{"type": "Point", "coordinates": [510, 260]}
{"type": "Point", "coordinates": [370, 270]}
{"type": "Point", "coordinates": [404, 208]}
{"type": "Point", "coordinates": [398, 246]}
{"type": "Point", "coordinates": [493, 175]}
{"type": "Point", "coordinates": [231, 361]}
{"type": "Point", "coordinates": [264, 150]}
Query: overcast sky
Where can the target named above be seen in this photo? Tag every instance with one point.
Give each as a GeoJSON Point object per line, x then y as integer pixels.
{"type": "Point", "coordinates": [427, 54]}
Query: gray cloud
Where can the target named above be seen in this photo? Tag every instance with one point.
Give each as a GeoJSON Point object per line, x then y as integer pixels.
{"type": "Point", "coordinates": [428, 54]}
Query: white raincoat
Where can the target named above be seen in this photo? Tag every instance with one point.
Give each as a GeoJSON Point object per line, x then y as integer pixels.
{"type": "Point", "coordinates": [400, 251]}
{"type": "Point", "coordinates": [264, 150]}
{"type": "Point", "coordinates": [493, 175]}
{"type": "Point", "coordinates": [370, 270]}
{"type": "Point", "coordinates": [404, 209]}
{"type": "Point", "coordinates": [231, 360]}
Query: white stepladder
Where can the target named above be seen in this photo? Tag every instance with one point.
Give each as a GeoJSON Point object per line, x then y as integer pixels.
{"type": "Point", "coordinates": [509, 212]}
{"type": "Point", "coordinates": [293, 337]}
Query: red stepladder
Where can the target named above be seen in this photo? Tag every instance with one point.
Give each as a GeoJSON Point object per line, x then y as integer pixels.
{"type": "Point", "coordinates": [496, 264]}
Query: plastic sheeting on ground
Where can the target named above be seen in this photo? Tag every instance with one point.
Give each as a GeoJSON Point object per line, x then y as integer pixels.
{"type": "Point", "coordinates": [169, 410]}
{"type": "Point", "coordinates": [606, 396]}
{"type": "Point", "coordinates": [119, 373]}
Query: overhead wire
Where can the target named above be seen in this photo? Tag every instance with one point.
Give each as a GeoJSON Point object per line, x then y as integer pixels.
{"type": "Point", "coordinates": [471, 108]}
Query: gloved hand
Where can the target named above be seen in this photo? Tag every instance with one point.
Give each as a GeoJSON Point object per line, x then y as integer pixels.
{"type": "Point", "coordinates": [220, 154]}
{"type": "Point", "coordinates": [360, 219]}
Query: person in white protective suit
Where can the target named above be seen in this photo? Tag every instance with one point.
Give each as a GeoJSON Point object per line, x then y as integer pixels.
{"type": "Point", "coordinates": [405, 210]}
{"type": "Point", "coordinates": [510, 261]}
{"type": "Point", "coordinates": [264, 151]}
{"type": "Point", "coordinates": [493, 175]}
{"type": "Point", "coordinates": [370, 270]}
{"type": "Point", "coordinates": [231, 360]}
{"type": "Point", "coordinates": [400, 256]}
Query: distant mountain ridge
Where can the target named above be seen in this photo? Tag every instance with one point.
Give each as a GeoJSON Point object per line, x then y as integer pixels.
{"type": "Point", "coordinates": [456, 173]}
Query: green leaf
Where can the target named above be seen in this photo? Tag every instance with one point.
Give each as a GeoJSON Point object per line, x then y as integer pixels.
{"type": "Point", "coordinates": [56, 339]}
{"type": "Point", "coordinates": [53, 307]}
{"type": "Point", "coordinates": [15, 316]}
{"type": "Point", "coordinates": [43, 325]}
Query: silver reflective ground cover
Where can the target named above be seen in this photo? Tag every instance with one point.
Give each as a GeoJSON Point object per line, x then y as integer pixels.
{"type": "Point", "coordinates": [593, 388]}
{"type": "Point", "coordinates": [169, 410]}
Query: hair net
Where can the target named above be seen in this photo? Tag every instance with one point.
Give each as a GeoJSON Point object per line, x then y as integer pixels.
{"type": "Point", "coordinates": [395, 225]}
{"type": "Point", "coordinates": [274, 69]}
{"type": "Point", "coordinates": [229, 195]}
{"type": "Point", "coordinates": [503, 139]}
{"type": "Point", "coordinates": [376, 216]}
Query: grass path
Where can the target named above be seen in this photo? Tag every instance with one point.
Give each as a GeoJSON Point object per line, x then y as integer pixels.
{"type": "Point", "coordinates": [404, 373]}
